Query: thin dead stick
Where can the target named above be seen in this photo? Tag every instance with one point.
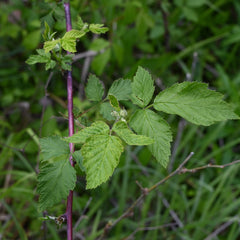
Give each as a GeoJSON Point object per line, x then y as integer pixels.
{"type": "Point", "coordinates": [84, 55]}
{"type": "Point", "coordinates": [166, 29]}
{"type": "Point", "coordinates": [193, 170]}
{"type": "Point", "coordinates": [218, 230]}
{"type": "Point", "coordinates": [172, 213]}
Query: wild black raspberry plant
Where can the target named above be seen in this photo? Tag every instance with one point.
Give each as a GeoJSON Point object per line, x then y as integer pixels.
{"type": "Point", "coordinates": [101, 144]}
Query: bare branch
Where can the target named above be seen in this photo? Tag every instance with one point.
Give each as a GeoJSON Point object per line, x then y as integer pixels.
{"type": "Point", "coordinates": [193, 170]}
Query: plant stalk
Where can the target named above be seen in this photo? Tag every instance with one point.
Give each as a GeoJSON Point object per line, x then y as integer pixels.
{"type": "Point", "coordinates": [70, 124]}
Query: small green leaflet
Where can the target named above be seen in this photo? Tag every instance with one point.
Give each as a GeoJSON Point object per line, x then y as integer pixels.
{"type": "Point", "coordinates": [123, 131]}
{"type": "Point", "coordinates": [74, 34]}
{"type": "Point", "coordinates": [121, 89]}
{"type": "Point", "coordinates": [101, 154]}
{"type": "Point", "coordinates": [149, 123]}
{"type": "Point", "coordinates": [42, 57]}
{"type": "Point", "coordinates": [55, 180]}
{"type": "Point", "coordinates": [50, 65]}
{"type": "Point", "coordinates": [53, 147]}
{"type": "Point", "coordinates": [114, 102]}
{"type": "Point", "coordinates": [142, 87]}
{"type": "Point", "coordinates": [80, 23]}
{"type": "Point", "coordinates": [94, 89]}
{"type": "Point", "coordinates": [96, 128]}
{"type": "Point", "coordinates": [97, 28]}
{"type": "Point", "coordinates": [50, 45]}
{"type": "Point", "coordinates": [69, 44]}
{"type": "Point", "coordinates": [194, 102]}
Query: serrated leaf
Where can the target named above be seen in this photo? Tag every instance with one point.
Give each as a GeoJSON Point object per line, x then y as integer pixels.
{"type": "Point", "coordinates": [121, 89]}
{"type": "Point", "coordinates": [106, 110]}
{"type": "Point", "coordinates": [142, 87]}
{"type": "Point", "coordinates": [50, 45]}
{"type": "Point", "coordinates": [96, 128]}
{"type": "Point", "coordinates": [123, 131]}
{"type": "Point", "coordinates": [150, 124]}
{"type": "Point", "coordinates": [100, 61]}
{"type": "Point", "coordinates": [94, 89]}
{"type": "Point", "coordinates": [101, 155]}
{"type": "Point", "coordinates": [52, 147]}
{"type": "Point", "coordinates": [114, 102]}
{"type": "Point", "coordinates": [194, 102]}
{"type": "Point", "coordinates": [47, 31]}
{"type": "Point", "coordinates": [33, 59]}
{"type": "Point", "coordinates": [75, 34]}
{"type": "Point", "coordinates": [97, 28]}
{"type": "Point", "coordinates": [77, 155]}
{"type": "Point", "coordinates": [55, 180]}
{"type": "Point", "coordinates": [80, 22]}
{"type": "Point", "coordinates": [69, 44]}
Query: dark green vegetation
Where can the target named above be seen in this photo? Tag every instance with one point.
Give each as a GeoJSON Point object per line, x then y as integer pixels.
{"type": "Point", "coordinates": [177, 41]}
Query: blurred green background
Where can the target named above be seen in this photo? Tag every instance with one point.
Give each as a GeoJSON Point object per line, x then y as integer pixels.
{"type": "Point", "coordinates": [175, 40]}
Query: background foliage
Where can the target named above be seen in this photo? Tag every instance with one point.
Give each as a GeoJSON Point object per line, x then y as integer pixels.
{"type": "Point", "coordinates": [174, 40]}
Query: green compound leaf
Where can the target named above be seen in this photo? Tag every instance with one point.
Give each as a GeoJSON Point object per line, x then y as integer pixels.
{"type": "Point", "coordinates": [149, 123]}
{"type": "Point", "coordinates": [55, 180]}
{"type": "Point", "coordinates": [50, 45]}
{"type": "Point", "coordinates": [114, 102]}
{"type": "Point", "coordinates": [142, 87]}
{"type": "Point", "coordinates": [123, 131]}
{"type": "Point", "coordinates": [105, 110]}
{"type": "Point", "coordinates": [53, 147]}
{"type": "Point", "coordinates": [94, 89]}
{"type": "Point", "coordinates": [96, 128]}
{"type": "Point", "coordinates": [97, 28]}
{"type": "Point", "coordinates": [101, 154]}
{"type": "Point", "coordinates": [69, 44]}
{"type": "Point", "coordinates": [194, 102]}
{"type": "Point", "coordinates": [121, 89]}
